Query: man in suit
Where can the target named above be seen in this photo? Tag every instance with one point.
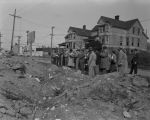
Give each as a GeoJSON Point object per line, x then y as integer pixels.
{"type": "Point", "coordinates": [92, 62]}
{"type": "Point", "coordinates": [134, 63]}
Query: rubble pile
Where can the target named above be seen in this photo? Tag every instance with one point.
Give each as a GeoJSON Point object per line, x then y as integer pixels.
{"type": "Point", "coordinates": [48, 92]}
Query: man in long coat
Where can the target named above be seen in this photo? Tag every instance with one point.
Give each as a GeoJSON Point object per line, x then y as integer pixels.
{"type": "Point", "coordinates": [105, 60]}
{"type": "Point", "coordinates": [92, 63]}
{"type": "Point", "coordinates": [122, 62]}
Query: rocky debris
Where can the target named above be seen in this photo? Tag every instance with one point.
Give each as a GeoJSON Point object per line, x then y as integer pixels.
{"type": "Point", "coordinates": [140, 82]}
{"type": "Point", "coordinates": [126, 114]}
{"type": "Point", "coordinates": [50, 92]}
{"type": "Point", "coordinates": [19, 67]}
{"type": "Point", "coordinates": [3, 110]}
{"type": "Point", "coordinates": [26, 110]}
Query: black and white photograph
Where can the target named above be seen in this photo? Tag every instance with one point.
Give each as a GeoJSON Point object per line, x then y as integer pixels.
{"type": "Point", "coordinates": [74, 60]}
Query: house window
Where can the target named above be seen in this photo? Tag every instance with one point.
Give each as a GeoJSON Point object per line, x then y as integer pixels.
{"type": "Point", "coordinates": [138, 31]}
{"type": "Point", "coordinates": [106, 39]}
{"type": "Point", "coordinates": [138, 43]}
{"type": "Point", "coordinates": [73, 45]}
{"type": "Point", "coordinates": [121, 40]}
{"type": "Point", "coordinates": [127, 41]}
{"type": "Point", "coordinates": [100, 39]}
{"type": "Point", "coordinates": [69, 36]}
{"type": "Point", "coordinates": [102, 30]}
{"type": "Point", "coordinates": [103, 40]}
{"type": "Point", "coordinates": [132, 41]}
{"type": "Point", "coordinates": [132, 51]}
{"type": "Point", "coordinates": [70, 45]}
{"type": "Point", "coordinates": [106, 28]}
{"type": "Point", "coordinates": [133, 30]}
{"type": "Point", "coordinates": [67, 46]}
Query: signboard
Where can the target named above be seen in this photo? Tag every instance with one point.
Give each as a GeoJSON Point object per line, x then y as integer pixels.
{"type": "Point", "coordinates": [31, 37]}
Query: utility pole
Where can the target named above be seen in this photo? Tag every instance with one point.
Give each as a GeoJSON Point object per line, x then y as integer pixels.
{"type": "Point", "coordinates": [52, 41]}
{"type": "Point", "coordinates": [27, 37]}
{"type": "Point", "coordinates": [0, 41]}
{"type": "Point", "coordinates": [19, 37]}
{"type": "Point", "coordinates": [14, 15]}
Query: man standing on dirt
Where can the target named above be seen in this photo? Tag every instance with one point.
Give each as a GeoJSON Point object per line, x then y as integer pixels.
{"type": "Point", "coordinates": [134, 63]}
{"type": "Point", "coordinates": [122, 62]}
{"type": "Point", "coordinates": [97, 62]}
{"type": "Point", "coordinates": [105, 60]}
{"type": "Point", "coordinates": [92, 63]}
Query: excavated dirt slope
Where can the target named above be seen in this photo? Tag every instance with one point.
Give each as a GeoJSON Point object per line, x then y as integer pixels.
{"type": "Point", "coordinates": [48, 92]}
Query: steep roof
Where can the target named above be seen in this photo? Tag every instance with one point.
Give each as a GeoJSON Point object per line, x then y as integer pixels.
{"type": "Point", "coordinates": [80, 31]}
{"type": "Point", "coordinates": [96, 27]}
{"type": "Point", "coordinates": [118, 23]}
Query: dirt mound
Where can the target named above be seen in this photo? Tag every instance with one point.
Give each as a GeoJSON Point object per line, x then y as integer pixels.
{"type": "Point", "coordinates": [46, 92]}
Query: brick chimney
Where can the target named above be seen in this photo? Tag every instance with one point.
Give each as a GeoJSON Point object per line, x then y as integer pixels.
{"type": "Point", "coordinates": [117, 17]}
{"type": "Point", "coordinates": [84, 27]}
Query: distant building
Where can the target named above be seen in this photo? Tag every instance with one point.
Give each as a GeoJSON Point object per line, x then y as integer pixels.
{"type": "Point", "coordinates": [47, 50]}
{"type": "Point", "coordinates": [111, 32]}
{"type": "Point", "coordinates": [16, 49]}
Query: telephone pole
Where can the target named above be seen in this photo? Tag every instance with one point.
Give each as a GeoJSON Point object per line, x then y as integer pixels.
{"type": "Point", "coordinates": [0, 41]}
{"type": "Point", "coordinates": [15, 16]}
{"type": "Point", "coordinates": [52, 41]}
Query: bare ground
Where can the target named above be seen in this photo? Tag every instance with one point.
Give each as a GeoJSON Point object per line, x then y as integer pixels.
{"type": "Point", "coordinates": [47, 92]}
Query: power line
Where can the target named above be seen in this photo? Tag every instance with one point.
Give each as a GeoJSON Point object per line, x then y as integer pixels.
{"type": "Point", "coordinates": [34, 23]}
{"type": "Point", "coordinates": [27, 8]}
{"type": "Point", "coordinates": [145, 20]}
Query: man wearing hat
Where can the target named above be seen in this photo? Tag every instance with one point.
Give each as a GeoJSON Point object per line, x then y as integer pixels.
{"type": "Point", "coordinates": [92, 63]}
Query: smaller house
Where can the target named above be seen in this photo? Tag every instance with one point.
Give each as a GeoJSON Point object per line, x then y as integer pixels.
{"type": "Point", "coordinates": [75, 37]}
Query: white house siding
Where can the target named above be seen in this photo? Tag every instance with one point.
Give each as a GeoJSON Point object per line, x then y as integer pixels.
{"type": "Point", "coordinates": [143, 42]}
{"type": "Point", "coordinates": [136, 37]}
{"type": "Point", "coordinates": [117, 35]}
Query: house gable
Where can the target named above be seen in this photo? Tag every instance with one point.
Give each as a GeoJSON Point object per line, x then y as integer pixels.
{"type": "Point", "coordinates": [80, 31]}
{"type": "Point", "coordinates": [136, 24]}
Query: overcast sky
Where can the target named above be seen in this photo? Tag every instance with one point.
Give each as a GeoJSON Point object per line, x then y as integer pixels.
{"type": "Point", "coordinates": [41, 15]}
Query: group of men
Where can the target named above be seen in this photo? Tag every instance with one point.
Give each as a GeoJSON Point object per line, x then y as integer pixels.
{"type": "Point", "coordinates": [112, 61]}
{"type": "Point", "coordinates": [96, 62]}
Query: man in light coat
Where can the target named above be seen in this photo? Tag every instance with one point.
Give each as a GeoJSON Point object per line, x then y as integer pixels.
{"type": "Point", "coordinates": [92, 63]}
{"type": "Point", "coordinates": [122, 62]}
